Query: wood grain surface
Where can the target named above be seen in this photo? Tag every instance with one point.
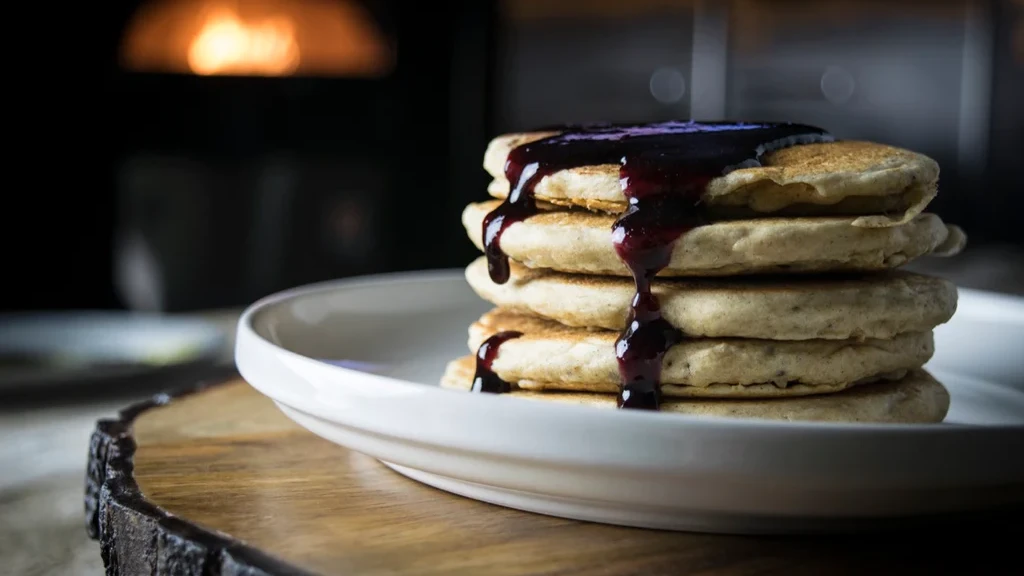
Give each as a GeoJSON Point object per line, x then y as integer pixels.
{"type": "Point", "coordinates": [227, 484]}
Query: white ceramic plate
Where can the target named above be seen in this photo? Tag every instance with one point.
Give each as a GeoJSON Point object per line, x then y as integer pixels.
{"type": "Point", "coordinates": [357, 362]}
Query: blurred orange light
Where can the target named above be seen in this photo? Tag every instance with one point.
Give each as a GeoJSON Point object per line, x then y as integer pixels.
{"type": "Point", "coordinates": [228, 45]}
{"type": "Point", "coordinates": [256, 38]}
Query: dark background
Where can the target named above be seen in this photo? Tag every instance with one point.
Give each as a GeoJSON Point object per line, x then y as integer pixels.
{"type": "Point", "coordinates": [168, 191]}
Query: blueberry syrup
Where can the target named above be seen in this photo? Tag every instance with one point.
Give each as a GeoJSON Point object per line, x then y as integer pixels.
{"type": "Point", "coordinates": [664, 169]}
{"type": "Point", "coordinates": [485, 380]}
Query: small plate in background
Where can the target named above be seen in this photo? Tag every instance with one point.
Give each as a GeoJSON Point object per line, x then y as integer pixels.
{"type": "Point", "coordinates": [47, 349]}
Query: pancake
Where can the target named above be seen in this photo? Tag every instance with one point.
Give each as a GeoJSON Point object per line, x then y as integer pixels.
{"type": "Point", "coordinates": [916, 398]}
{"type": "Point", "coordinates": [830, 307]}
{"type": "Point", "coordinates": [581, 242]}
{"type": "Point", "coordinates": [550, 355]}
{"type": "Point", "coordinates": [838, 178]}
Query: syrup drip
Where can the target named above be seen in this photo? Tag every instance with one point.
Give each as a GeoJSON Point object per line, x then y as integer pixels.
{"type": "Point", "coordinates": [485, 380]}
{"type": "Point", "coordinates": [664, 170]}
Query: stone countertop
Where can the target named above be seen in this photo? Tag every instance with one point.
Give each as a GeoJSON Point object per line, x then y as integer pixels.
{"type": "Point", "coordinates": [42, 476]}
{"type": "Point", "coordinates": [43, 451]}
{"type": "Point", "coordinates": [44, 443]}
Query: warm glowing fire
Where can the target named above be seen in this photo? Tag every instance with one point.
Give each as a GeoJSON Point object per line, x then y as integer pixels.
{"type": "Point", "coordinates": [257, 38]}
{"type": "Point", "coordinates": [228, 45]}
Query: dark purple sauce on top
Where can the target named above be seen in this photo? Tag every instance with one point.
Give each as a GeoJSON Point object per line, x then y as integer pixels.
{"type": "Point", "coordinates": [485, 380]}
{"type": "Point", "coordinates": [664, 170]}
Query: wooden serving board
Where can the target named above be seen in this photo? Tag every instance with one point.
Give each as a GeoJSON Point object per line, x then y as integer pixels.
{"type": "Point", "coordinates": [215, 480]}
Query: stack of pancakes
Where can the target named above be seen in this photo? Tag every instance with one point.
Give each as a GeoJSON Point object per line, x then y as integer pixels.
{"type": "Point", "coordinates": [790, 298]}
